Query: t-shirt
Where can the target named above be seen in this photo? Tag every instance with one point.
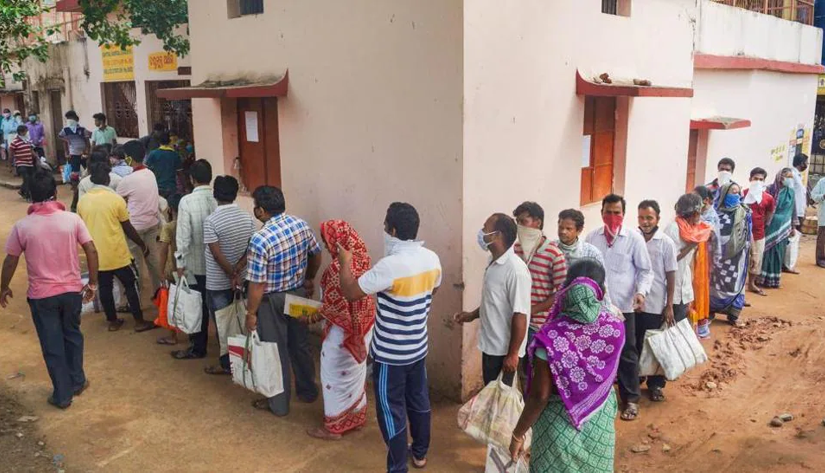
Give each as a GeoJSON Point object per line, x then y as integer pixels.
{"type": "Point", "coordinates": [141, 193]}
{"type": "Point", "coordinates": [231, 228]}
{"type": "Point", "coordinates": [167, 235]}
{"type": "Point", "coordinates": [506, 291]}
{"type": "Point", "coordinates": [404, 281]}
{"type": "Point", "coordinates": [165, 162]}
{"type": "Point", "coordinates": [86, 184]}
{"type": "Point", "coordinates": [759, 212]}
{"type": "Point", "coordinates": [23, 152]}
{"type": "Point", "coordinates": [548, 270]}
{"type": "Point", "coordinates": [76, 139]}
{"type": "Point", "coordinates": [106, 136]}
{"type": "Point", "coordinates": [49, 236]}
{"type": "Point", "coordinates": [103, 211]}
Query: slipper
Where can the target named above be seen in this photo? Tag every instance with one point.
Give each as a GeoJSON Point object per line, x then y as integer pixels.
{"type": "Point", "coordinates": [631, 412]}
{"type": "Point", "coordinates": [217, 370]}
{"type": "Point", "coordinates": [65, 406]}
{"type": "Point", "coordinates": [261, 405]}
{"type": "Point", "coordinates": [657, 395]}
{"type": "Point", "coordinates": [166, 341]}
{"type": "Point", "coordinates": [186, 355]}
{"type": "Point", "coordinates": [115, 325]}
{"type": "Point", "coordinates": [144, 326]}
{"type": "Point", "coordinates": [322, 433]}
{"type": "Point", "coordinates": [80, 390]}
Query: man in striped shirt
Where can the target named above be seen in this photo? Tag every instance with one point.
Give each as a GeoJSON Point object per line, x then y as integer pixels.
{"type": "Point", "coordinates": [22, 154]}
{"type": "Point", "coordinates": [405, 281]}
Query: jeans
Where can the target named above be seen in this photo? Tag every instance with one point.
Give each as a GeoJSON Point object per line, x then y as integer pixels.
{"type": "Point", "coordinates": [57, 321]}
{"type": "Point", "coordinates": [215, 301]}
{"type": "Point", "coordinates": [629, 389]}
{"type": "Point", "coordinates": [127, 276]}
{"type": "Point", "coordinates": [645, 322]}
{"type": "Point", "coordinates": [198, 341]}
{"type": "Point", "coordinates": [150, 238]}
{"type": "Point", "coordinates": [402, 394]}
{"type": "Point", "coordinates": [491, 366]}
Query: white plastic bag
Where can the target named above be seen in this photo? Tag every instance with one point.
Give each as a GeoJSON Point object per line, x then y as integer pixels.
{"type": "Point", "coordinates": [677, 349]}
{"type": "Point", "coordinates": [792, 250]}
{"type": "Point", "coordinates": [185, 309]}
{"type": "Point", "coordinates": [648, 364]}
{"type": "Point", "coordinates": [229, 322]}
{"type": "Point", "coordinates": [493, 413]}
{"type": "Point", "coordinates": [499, 461]}
{"type": "Point", "coordinates": [256, 365]}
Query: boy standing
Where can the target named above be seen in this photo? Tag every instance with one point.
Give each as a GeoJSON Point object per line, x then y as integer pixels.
{"type": "Point", "coordinates": [762, 206]}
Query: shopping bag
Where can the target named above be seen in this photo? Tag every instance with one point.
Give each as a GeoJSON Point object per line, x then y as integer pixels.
{"type": "Point", "coordinates": [677, 349]}
{"type": "Point", "coordinates": [185, 307]}
{"type": "Point", "coordinates": [229, 322]}
{"type": "Point", "coordinates": [648, 364]}
{"type": "Point", "coordinates": [792, 251]}
{"type": "Point", "coordinates": [66, 172]}
{"type": "Point", "coordinates": [161, 301]}
{"type": "Point", "coordinates": [256, 365]}
{"type": "Point", "coordinates": [493, 413]}
{"type": "Point", "coordinates": [500, 461]}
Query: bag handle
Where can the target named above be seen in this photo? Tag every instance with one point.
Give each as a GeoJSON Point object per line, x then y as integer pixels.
{"type": "Point", "coordinates": [246, 363]}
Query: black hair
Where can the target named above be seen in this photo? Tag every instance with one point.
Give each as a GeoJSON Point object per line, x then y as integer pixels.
{"type": "Point", "coordinates": [612, 199]}
{"type": "Point", "coordinates": [703, 192]}
{"type": "Point", "coordinates": [201, 171]}
{"type": "Point", "coordinates": [158, 127]}
{"type": "Point", "coordinates": [532, 209]}
{"type": "Point", "coordinates": [759, 171]}
{"type": "Point", "coordinates": [5, 110]}
{"type": "Point", "coordinates": [72, 115]}
{"type": "Point", "coordinates": [403, 218]}
{"type": "Point", "coordinates": [586, 268]}
{"type": "Point", "coordinates": [22, 129]}
{"type": "Point", "coordinates": [99, 156]}
{"type": "Point", "coordinates": [727, 161]}
{"type": "Point", "coordinates": [269, 198]}
{"type": "Point", "coordinates": [163, 138]}
{"type": "Point", "coordinates": [225, 189]}
{"type": "Point", "coordinates": [575, 215]}
{"type": "Point", "coordinates": [42, 186]}
{"type": "Point", "coordinates": [135, 150]}
{"type": "Point", "coordinates": [99, 173]}
{"type": "Point", "coordinates": [800, 159]}
{"type": "Point", "coordinates": [100, 116]}
{"type": "Point", "coordinates": [104, 148]}
{"type": "Point", "coordinates": [119, 152]}
{"type": "Point", "coordinates": [506, 226]}
{"type": "Point", "coordinates": [650, 204]}
{"type": "Point", "coordinates": [174, 201]}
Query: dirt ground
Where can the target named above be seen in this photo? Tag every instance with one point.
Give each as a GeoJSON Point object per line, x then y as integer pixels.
{"type": "Point", "coordinates": [148, 412]}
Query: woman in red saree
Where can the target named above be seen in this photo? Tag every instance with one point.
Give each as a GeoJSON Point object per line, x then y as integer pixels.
{"type": "Point", "coordinates": [347, 333]}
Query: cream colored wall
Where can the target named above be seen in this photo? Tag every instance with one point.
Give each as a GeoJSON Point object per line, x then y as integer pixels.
{"type": "Point", "coordinates": [373, 116]}
{"type": "Point", "coordinates": [775, 103]}
{"type": "Point", "coordinates": [523, 119]}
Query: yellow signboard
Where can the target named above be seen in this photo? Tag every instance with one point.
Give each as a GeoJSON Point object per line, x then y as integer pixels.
{"type": "Point", "coordinates": [821, 85]}
{"type": "Point", "coordinates": [163, 61]}
{"type": "Point", "coordinates": [118, 64]}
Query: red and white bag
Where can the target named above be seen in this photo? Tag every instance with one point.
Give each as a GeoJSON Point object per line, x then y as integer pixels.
{"type": "Point", "coordinates": [256, 365]}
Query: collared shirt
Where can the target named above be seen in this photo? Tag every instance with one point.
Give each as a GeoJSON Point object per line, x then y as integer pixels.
{"type": "Point", "coordinates": [86, 184]}
{"type": "Point", "coordinates": [683, 292]}
{"type": "Point", "coordinates": [122, 169]}
{"type": "Point", "coordinates": [279, 253]}
{"type": "Point", "coordinates": [579, 250]}
{"type": "Point", "coordinates": [103, 211]}
{"type": "Point", "coordinates": [548, 269]}
{"type": "Point", "coordinates": [192, 212]}
{"type": "Point", "coordinates": [36, 133]}
{"type": "Point", "coordinates": [231, 228]}
{"type": "Point", "coordinates": [506, 291]}
{"type": "Point", "coordinates": [165, 162]}
{"type": "Point", "coordinates": [818, 195]}
{"type": "Point", "coordinates": [49, 236]}
{"type": "Point", "coordinates": [800, 194]}
{"type": "Point", "coordinates": [106, 136]}
{"type": "Point", "coordinates": [141, 193]}
{"type": "Point", "coordinates": [9, 128]}
{"type": "Point", "coordinates": [76, 138]}
{"type": "Point", "coordinates": [627, 264]}
{"type": "Point", "coordinates": [404, 281]}
{"type": "Point", "coordinates": [662, 253]}
{"type": "Point", "coordinates": [759, 213]}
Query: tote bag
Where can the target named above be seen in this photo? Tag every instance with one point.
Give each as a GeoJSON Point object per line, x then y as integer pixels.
{"type": "Point", "coordinates": [185, 309]}
{"type": "Point", "coordinates": [256, 365]}
{"type": "Point", "coordinates": [229, 322]}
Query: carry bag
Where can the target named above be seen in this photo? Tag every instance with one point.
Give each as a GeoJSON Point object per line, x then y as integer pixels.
{"type": "Point", "coordinates": [229, 322]}
{"type": "Point", "coordinates": [500, 461]}
{"type": "Point", "coordinates": [671, 351]}
{"type": "Point", "coordinates": [185, 309]}
{"type": "Point", "coordinates": [256, 365]}
{"type": "Point", "coordinates": [493, 413]}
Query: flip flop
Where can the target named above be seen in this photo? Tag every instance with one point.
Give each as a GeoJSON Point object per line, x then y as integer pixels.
{"type": "Point", "coordinates": [657, 395]}
{"type": "Point", "coordinates": [166, 341]}
{"type": "Point", "coordinates": [145, 327]}
{"type": "Point", "coordinates": [186, 355]}
{"type": "Point", "coordinates": [631, 412]}
{"type": "Point", "coordinates": [116, 325]}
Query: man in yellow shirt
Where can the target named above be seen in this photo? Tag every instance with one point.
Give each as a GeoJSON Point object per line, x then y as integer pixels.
{"type": "Point", "coordinates": [107, 219]}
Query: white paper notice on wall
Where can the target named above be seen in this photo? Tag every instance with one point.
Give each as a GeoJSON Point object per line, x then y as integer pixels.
{"type": "Point", "coordinates": [251, 119]}
{"type": "Point", "coordinates": [586, 139]}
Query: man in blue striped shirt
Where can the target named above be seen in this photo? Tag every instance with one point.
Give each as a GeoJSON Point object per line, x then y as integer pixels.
{"type": "Point", "coordinates": [405, 281]}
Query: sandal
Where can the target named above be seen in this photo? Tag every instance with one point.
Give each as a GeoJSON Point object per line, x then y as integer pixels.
{"type": "Point", "coordinates": [321, 433]}
{"type": "Point", "coordinates": [631, 412]}
{"type": "Point", "coordinates": [144, 326]}
{"type": "Point", "coordinates": [657, 395]}
{"type": "Point", "coordinates": [261, 404]}
{"type": "Point", "coordinates": [758, 291]}
{"type": "Point", "coordinates": [217, 370]}
{"type": "Point", "coordinates": [115, 325]}
{"type": "Point", "coordinates": [168, 341]}
{"type": "Point", "coordinates": [186, 355]}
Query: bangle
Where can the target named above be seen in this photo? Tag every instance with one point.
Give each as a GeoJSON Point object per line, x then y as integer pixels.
{"type": "Point", "coordinates": [518, 439]}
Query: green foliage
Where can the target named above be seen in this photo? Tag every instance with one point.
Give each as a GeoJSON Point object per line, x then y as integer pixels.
{"type": "Point", "coordinates": [19, 38]}
{"type": "Point", "coordinates": [110, 21]}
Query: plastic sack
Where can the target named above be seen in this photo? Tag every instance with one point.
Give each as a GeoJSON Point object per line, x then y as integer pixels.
{"type": "Point", "coordinates": [161, 301]}
{"type": "Point", "coordinates": [229, 322]}
{"type": "Point", "coordinates": [256, 365]}
{"type": "Point", "coordinates": [648, 364]}
{"type": "Point", "coordinates": [677, 349]}
{"type": "Point", "coordinates": [491, 416]}
{"type": "Point", "coordinates": [792, 251]}
{"type": "Point", "coordinates": [499, 461]}
{"type": "Point", "coordinates": [185, 308]}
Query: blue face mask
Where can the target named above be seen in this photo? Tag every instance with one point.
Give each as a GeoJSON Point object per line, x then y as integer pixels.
{"type": "Point", "coordinates": [732, 200]}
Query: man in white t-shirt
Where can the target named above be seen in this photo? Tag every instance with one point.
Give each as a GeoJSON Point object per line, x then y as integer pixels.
{"type": "Point", "coordinates": [505, 302]}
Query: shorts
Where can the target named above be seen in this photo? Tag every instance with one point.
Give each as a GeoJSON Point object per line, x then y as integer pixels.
{"type": "Point", "coordinates": [756, 253]}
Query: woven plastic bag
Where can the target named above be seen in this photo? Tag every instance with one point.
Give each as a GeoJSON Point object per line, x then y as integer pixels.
{"type": "Point", "coordinates": [229, 322]}
{"type": "Point", "coordinates": [493, 413]}
{"type": "Point", "coordinates": [185, 308]}
{"type": "Point", "coordinates": [499, 461]}
{"type": "Point", "coordinates": [256, 365]}
{"type": "Point", "coordinates": [677, 349]}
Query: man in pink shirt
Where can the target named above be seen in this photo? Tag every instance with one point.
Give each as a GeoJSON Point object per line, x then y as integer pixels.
{"type": "Point", "coordinates": [140, 190]}
{"type": "Point", "coordinates": [49, 237]}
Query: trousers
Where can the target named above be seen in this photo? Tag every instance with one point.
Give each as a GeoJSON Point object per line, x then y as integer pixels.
{"type": "Point", "coordinates": [198, 341]}
{"type": "Point", "coordinates": [820, 245]}
{"type": "Point", "coordinates": [491, 366]}
{"type": "Point", "coordinates": [127, 276]}
{"type": "Point", "coordinates": [217, 300]}
{"type": "Point", "coordinates": [150, 238]}
{"type": "Point", "coordinates": [629, 389]}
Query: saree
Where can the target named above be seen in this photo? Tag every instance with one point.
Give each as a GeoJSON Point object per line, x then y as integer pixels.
{"type": "Point", "coordinates": [347, 333]}
{"type": "Point", "coordinates": [581, 342]}
{"type": "Point", "coordinates": [777, 234]}
{"type": "Point", "coordinates": [730, 270]}
{"type": "Point", "coordinates": [699, 234]}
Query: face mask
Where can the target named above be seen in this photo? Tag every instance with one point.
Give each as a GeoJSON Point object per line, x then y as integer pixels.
{"type": "Point", "coordinates": [732, 200]}
{"type": "Point", "coordinates": [7, 115]}
{"type": "Point", "coordinates": [33, 119]}
{"type": "Point", "coordinates": [613, 223]}
{"type": "Point", "coordinates": [530, 239]}
{"type": "Point", "coordinates": [71, 123]}
{"type": "Point", "coordinates": [724, 177]}
{"type": "Point", "coordinates": [788, 181]}
{"type": "Point", "coordinates": [755, 192]}
{"type": "Point", "coordinates": [480, 239]}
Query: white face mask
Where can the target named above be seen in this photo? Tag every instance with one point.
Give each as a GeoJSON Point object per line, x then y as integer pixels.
{"type": "Point", "coordinates": [485, 246]}
{"type": "Point", "coordinates": [724, 177]}
{"type": "Point", "coordinates": [530, 239]}
{"type": "Point", "coordinates": [788, 181]}
{"type": "Point", "coordinates": [755, 192]}
{"type": "Point", "coordinates": [71, 123]}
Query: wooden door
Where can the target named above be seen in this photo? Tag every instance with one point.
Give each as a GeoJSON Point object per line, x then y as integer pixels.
{"type": "Point", "coordinates": [259, 142]}
{"type": "Point", "coordinates": [600, 126]}
{"type": "Point", "coordinates": [56, 107]}
{"type": "Point", "coordinates": [693, 145]}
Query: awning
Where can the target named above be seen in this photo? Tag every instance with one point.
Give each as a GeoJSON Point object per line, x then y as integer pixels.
{"type": "Point", "coordinates": [719, 123]}
{"type": "Point", "coordinates": [627, 89]}
{"type": "Point", "coordinates": [236, 89]}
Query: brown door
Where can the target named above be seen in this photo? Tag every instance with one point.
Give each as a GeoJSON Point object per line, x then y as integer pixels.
{"type": "Point", "coordinates": [693, 144]}
{"type": "Point", "coordinates": [56, 106]}
{"type": "Point", "coordinates": [259, 145]}
{"type": "Point", "coordinates": [600, 126]}
{"type": "Point", "coordinates": [20, 105]}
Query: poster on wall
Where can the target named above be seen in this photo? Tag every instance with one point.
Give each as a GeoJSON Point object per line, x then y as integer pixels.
{"type": "Point", "coordinates": [778, 153]}
{"type": "Point", "coordinates": [586, 140]}
{"type": "Point", "coordinates": [251, 119]}
{"type": "Point", "coordinates": [163, 61]}
{"type": "Point", "coordinates": [118, 64]}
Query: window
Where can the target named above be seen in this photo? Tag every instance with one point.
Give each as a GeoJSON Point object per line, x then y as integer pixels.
{"type": "Point", "coordinates": [616, 7]}
{"type": "Point", "coordinates": [175, 114]}
{"type": "Point", "coordinates": [120, 107]}
{"type": "Point", "coordinates": [236, 8]}
{"type": "Point", "coordinates": [599, 136]}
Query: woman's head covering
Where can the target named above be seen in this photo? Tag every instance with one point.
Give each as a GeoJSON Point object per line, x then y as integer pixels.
{"type": "Point", "coordinates": [778, 182]}
{"type": "Point", "coordinates": [354, 318]}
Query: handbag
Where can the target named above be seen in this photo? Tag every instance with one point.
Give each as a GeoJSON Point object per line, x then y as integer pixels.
{"type": "Point", "coordinates": [491, 415]}
{"type": "Point", "coordinates": [185, 308]}
{"type": "Point", "coordinates": [256, 365]}
{"type": "Point", "coordinates": [229, 322]}
{"type": "Point", "coordinates": [676, 349]}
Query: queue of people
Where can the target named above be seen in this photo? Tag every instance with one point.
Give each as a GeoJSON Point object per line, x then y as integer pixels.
{"type": "Point", "coordinates": [570, 313]}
